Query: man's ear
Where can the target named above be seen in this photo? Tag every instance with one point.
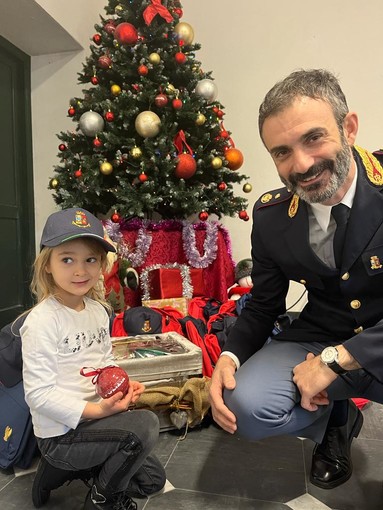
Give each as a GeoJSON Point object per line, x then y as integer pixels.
{"type": "Point", "coordinates": [350, 127]}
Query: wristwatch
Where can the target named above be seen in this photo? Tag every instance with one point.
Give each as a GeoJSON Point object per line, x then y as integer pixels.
{"type": "Point", "coordinates": [330, 357]}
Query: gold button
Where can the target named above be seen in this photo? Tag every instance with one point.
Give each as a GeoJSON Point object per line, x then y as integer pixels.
{"type": "Point", "coordinates": [358, 330]}
{"type": "Point", "coordinates": [345, 276]}
{"type": "Point", "coordinates": [355, 304]}
{"type": "Point", "coordinates": [303, 282]}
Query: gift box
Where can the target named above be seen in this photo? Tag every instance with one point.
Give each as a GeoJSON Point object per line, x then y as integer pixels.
{"type": "Point", "coordinates": [167, 283]}
{"type": "Point", "coordinates": [179, 303]}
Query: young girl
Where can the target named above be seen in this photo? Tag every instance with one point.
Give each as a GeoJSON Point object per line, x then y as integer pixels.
{"type": "Point", "coordinates": [67, 330]}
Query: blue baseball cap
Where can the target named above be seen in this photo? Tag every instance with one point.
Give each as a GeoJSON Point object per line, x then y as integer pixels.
{"type": "Point", "coordinates": [68, 224]}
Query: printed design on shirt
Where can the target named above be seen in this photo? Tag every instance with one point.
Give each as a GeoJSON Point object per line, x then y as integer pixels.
{"type": "Point", "coordinates": [81, 220]}
{"type": "Point", "coordinates": [293, 209]}
{"type": "Point", "coordinates": [375, 262]}
{"type": "Point", "coordinates": [7, 433]}
{"type": "Point", "coordinates": [373, 168]}
{"type": "Point", "coordinates": [83, 340]}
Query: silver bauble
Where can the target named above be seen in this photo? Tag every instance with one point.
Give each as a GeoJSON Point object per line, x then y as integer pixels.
{"type": "Point", "coordinates": [147, 124]}
{"type": "Point", "coordinates": [91, 123]}
{"type": "Point", "coordinates": [207, 89]}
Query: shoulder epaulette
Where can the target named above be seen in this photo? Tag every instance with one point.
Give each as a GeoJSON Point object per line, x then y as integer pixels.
{"type": "Point", "coordinates": [374, 169]}
{"type": "Point", "coordinates": [273, 197]}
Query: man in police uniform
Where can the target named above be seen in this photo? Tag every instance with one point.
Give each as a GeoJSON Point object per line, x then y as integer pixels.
{"type": "Point", "coordinates": [299, 381]}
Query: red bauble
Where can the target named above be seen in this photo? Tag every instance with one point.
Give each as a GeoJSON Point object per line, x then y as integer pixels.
{"type": "Point", "coordinates": [222, 186]}
{"type": "Point", "coordinates": [71, 111]}
{"type": "Point", "coordinates": [224, 134]}
{"type": "Point", "coordinates": [177, 104]}
{"type": "Point", "coordinates": [94, 80]}
{"type": "Point", "coordinates": [143, 177]}
{"type": "Point", "coordinates": [234, 158]}
{"type": "Point", "coordinates": [180, 57]}
{"type": "Point", "coordinates": [116, 218]}
{"type": "Point", "coordinates": [220, 114]}
{"type": "Point", "coordinates": [243, 215]}
{"type": "Point", "coordinates": [109, 116]}
{"type": "Point", "coordinates": [178, 12]}
{"type": "Point", "coordinates": [111, 380]}
{"type": "Point", "coordinates": [97, 38]}
{"type": "Point", "coordinates": [215, 109]}
{"type": "Point", "coordinates": [104, 62]}
{"type": "Point", "coordinates": [142, 70]}
{"type": "Point", "coordinates": [161, 100]}
{"type": "Point", "coordinates": [97, 143]}
{"type": "Point", "coordinates": [186, 166]}
{"type": "Point", "coordinates": [126, 33]}
{"type": "Point", "coordinates": [62, 147]}
{"type": "Point", "coordinates": [110, 27]}
{"type": "Point", "coordinates": [78, 173]}
{"type": "Point", "coordinates": [203, 215]}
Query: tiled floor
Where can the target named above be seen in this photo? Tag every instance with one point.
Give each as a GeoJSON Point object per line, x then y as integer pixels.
{"type": "Point", "coordinates": [212, 470]}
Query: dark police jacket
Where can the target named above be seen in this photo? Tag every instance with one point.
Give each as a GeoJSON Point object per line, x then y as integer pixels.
{"type": "Point", "coordinates": [344, 306]}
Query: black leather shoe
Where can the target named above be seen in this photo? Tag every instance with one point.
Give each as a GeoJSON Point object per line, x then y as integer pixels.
{"type": "Point", "coordinates": [331, 462]}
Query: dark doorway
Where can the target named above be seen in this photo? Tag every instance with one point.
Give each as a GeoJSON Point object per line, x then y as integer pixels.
{"type": "Point", "coordinates": [16, 185]}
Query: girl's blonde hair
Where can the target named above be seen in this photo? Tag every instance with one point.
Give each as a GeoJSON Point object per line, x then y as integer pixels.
{"type": "Point", "coordinates": [43, 285]}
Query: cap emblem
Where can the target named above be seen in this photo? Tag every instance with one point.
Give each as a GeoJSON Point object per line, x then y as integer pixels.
{"type": "Point", "coordinates": [81, 220]}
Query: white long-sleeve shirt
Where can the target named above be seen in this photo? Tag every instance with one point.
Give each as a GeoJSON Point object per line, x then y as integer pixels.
{"type": "Point", "coordinates": [57, 342]}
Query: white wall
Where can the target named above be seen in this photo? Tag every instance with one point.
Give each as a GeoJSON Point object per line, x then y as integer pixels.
{"type": "Point", "coordinates": [248, 45]}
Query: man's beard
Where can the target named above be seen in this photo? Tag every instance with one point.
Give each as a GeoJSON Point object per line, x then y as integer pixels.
{"type": "Point", "coordinates": [338, 167]}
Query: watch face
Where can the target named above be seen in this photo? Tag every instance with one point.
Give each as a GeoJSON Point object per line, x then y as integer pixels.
{"type": "Point", "coordinates": [329, 355]}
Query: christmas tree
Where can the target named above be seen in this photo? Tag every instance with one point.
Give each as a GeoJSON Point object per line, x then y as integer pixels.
{"type": "Point", "coordinates": [149, 136]}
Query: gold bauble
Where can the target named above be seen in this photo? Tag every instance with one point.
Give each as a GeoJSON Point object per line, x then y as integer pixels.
{"type": "Point", "coordinates": [170, 89]}
{"type": "Point", "coordinates": [154, 58]}
{"type": "Point", "coordinates": [119, 9]}
{"type": "Point", "coordinates": [185, 32]}
{"type": "Point", "coordinates": [216, 163]}
{"type": "Point", "coordinates": [147, 124]}
{"type": "Point", "coordinates": [200, 120]}
{"type": "Point", "coordinates": [135, 152]}
{"type": "Point", "coordinates": [247, 188]}
{"type": "Point", "coordinates": [106, 168]}
{"type": "Point", "coordinates": [115, 90]}
{"type": "Point", "coordinates": [53, 183]}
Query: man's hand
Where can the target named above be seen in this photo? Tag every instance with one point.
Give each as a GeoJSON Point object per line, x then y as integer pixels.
{"type": "Point", "coordinates": [312, 378]}
{"type": "Point", "coordinates": [223, 377]}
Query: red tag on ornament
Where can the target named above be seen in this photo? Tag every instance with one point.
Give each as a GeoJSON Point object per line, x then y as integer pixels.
{"type": "Point", "coordinates": [108, 380]}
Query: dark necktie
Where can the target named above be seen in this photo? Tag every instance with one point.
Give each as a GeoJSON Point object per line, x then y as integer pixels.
{"type": "Point", "coordinates": [340, 214]}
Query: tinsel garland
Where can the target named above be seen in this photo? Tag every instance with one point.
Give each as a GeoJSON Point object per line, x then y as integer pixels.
{"type": "Point", "coordinates": [143, 242]}
{"type": "Point", "coordinates": [210, 245]}
{"type": "Point", "coordinates": [187, 287]}
{"type": "Point", "coordinates": [144, 239]}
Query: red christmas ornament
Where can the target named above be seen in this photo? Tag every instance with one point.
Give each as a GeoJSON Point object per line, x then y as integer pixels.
{"type": "Point", "coordinates": [108, 380]}
{"type": "Point", "coordinates": [186, 166]}
{"type": "Point", "coordinates": [234, 158]}
{"type": "Point", "coordinates": [62, 147]}
{"type": "Point", "coordinates": [178, 12]}
{"type": "Point", "coordinates": [109, 116]}
{"type": "Point", "coordinates": [97, 38]}
{"type": "Point", "coordinates": [78, 173]}
{"type": "Point", "coordinates": [220, 114]}
{"type": "Point", "coordinates": [116, 218]}
{"type": "Point", "coordinates": [215, 109]}
{"type": "Point", "coordinates": [104, 62]}
{"type": "Point", "coordinates": [243, 215]}
{"type": "Point", "coordinates": [143, 70]}
{"type": "Point", "coordinates": [71, 111]}
{"type": "Point", "coordinates": [97, 143]}
{"type": "Point", "coordinates": [180, 57]}
{"type": "Point", "coordinates": [110, 27]}
{"type": "Point", "coordinates": [143, 177]}
{"type": "Point", "coordinates": [161, 100]}
{"type": "Point", "coordinates": [224, 134]}
{"type": "Point", "coordinates": [203, 215]}
{"type": "Point", "coordinates": [94, 80]}
{"type": "Point", "coordinates": [177, 104]}
{"type": "Point", "coordinates": [222, 186]}
{"type": "Point", "coordinates": [126, 33]}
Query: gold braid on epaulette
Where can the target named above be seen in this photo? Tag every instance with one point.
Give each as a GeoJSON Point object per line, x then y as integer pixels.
{"type": "Point", "coordinates": [373, 168]}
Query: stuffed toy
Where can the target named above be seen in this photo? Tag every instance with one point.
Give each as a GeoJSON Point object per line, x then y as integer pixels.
{"type": "Point", "coordinates": [243, 281]}
{"type": "Point", "coordinates": [118, 276]}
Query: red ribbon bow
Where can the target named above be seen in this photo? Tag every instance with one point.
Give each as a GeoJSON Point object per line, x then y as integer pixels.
{"type": "Point", "coordinates": [179, 140]}
{"type": "Point", "coordinates": [156, 8]}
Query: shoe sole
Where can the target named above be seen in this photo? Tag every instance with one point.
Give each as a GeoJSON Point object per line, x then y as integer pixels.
{"type": "Point", "coordinates": [331, 485]}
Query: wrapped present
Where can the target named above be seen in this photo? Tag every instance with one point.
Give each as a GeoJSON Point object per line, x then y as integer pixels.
{"type": "Point", "coordinates": [180, 304]}
{"type": "Point", "coordinates": [171, 281]}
